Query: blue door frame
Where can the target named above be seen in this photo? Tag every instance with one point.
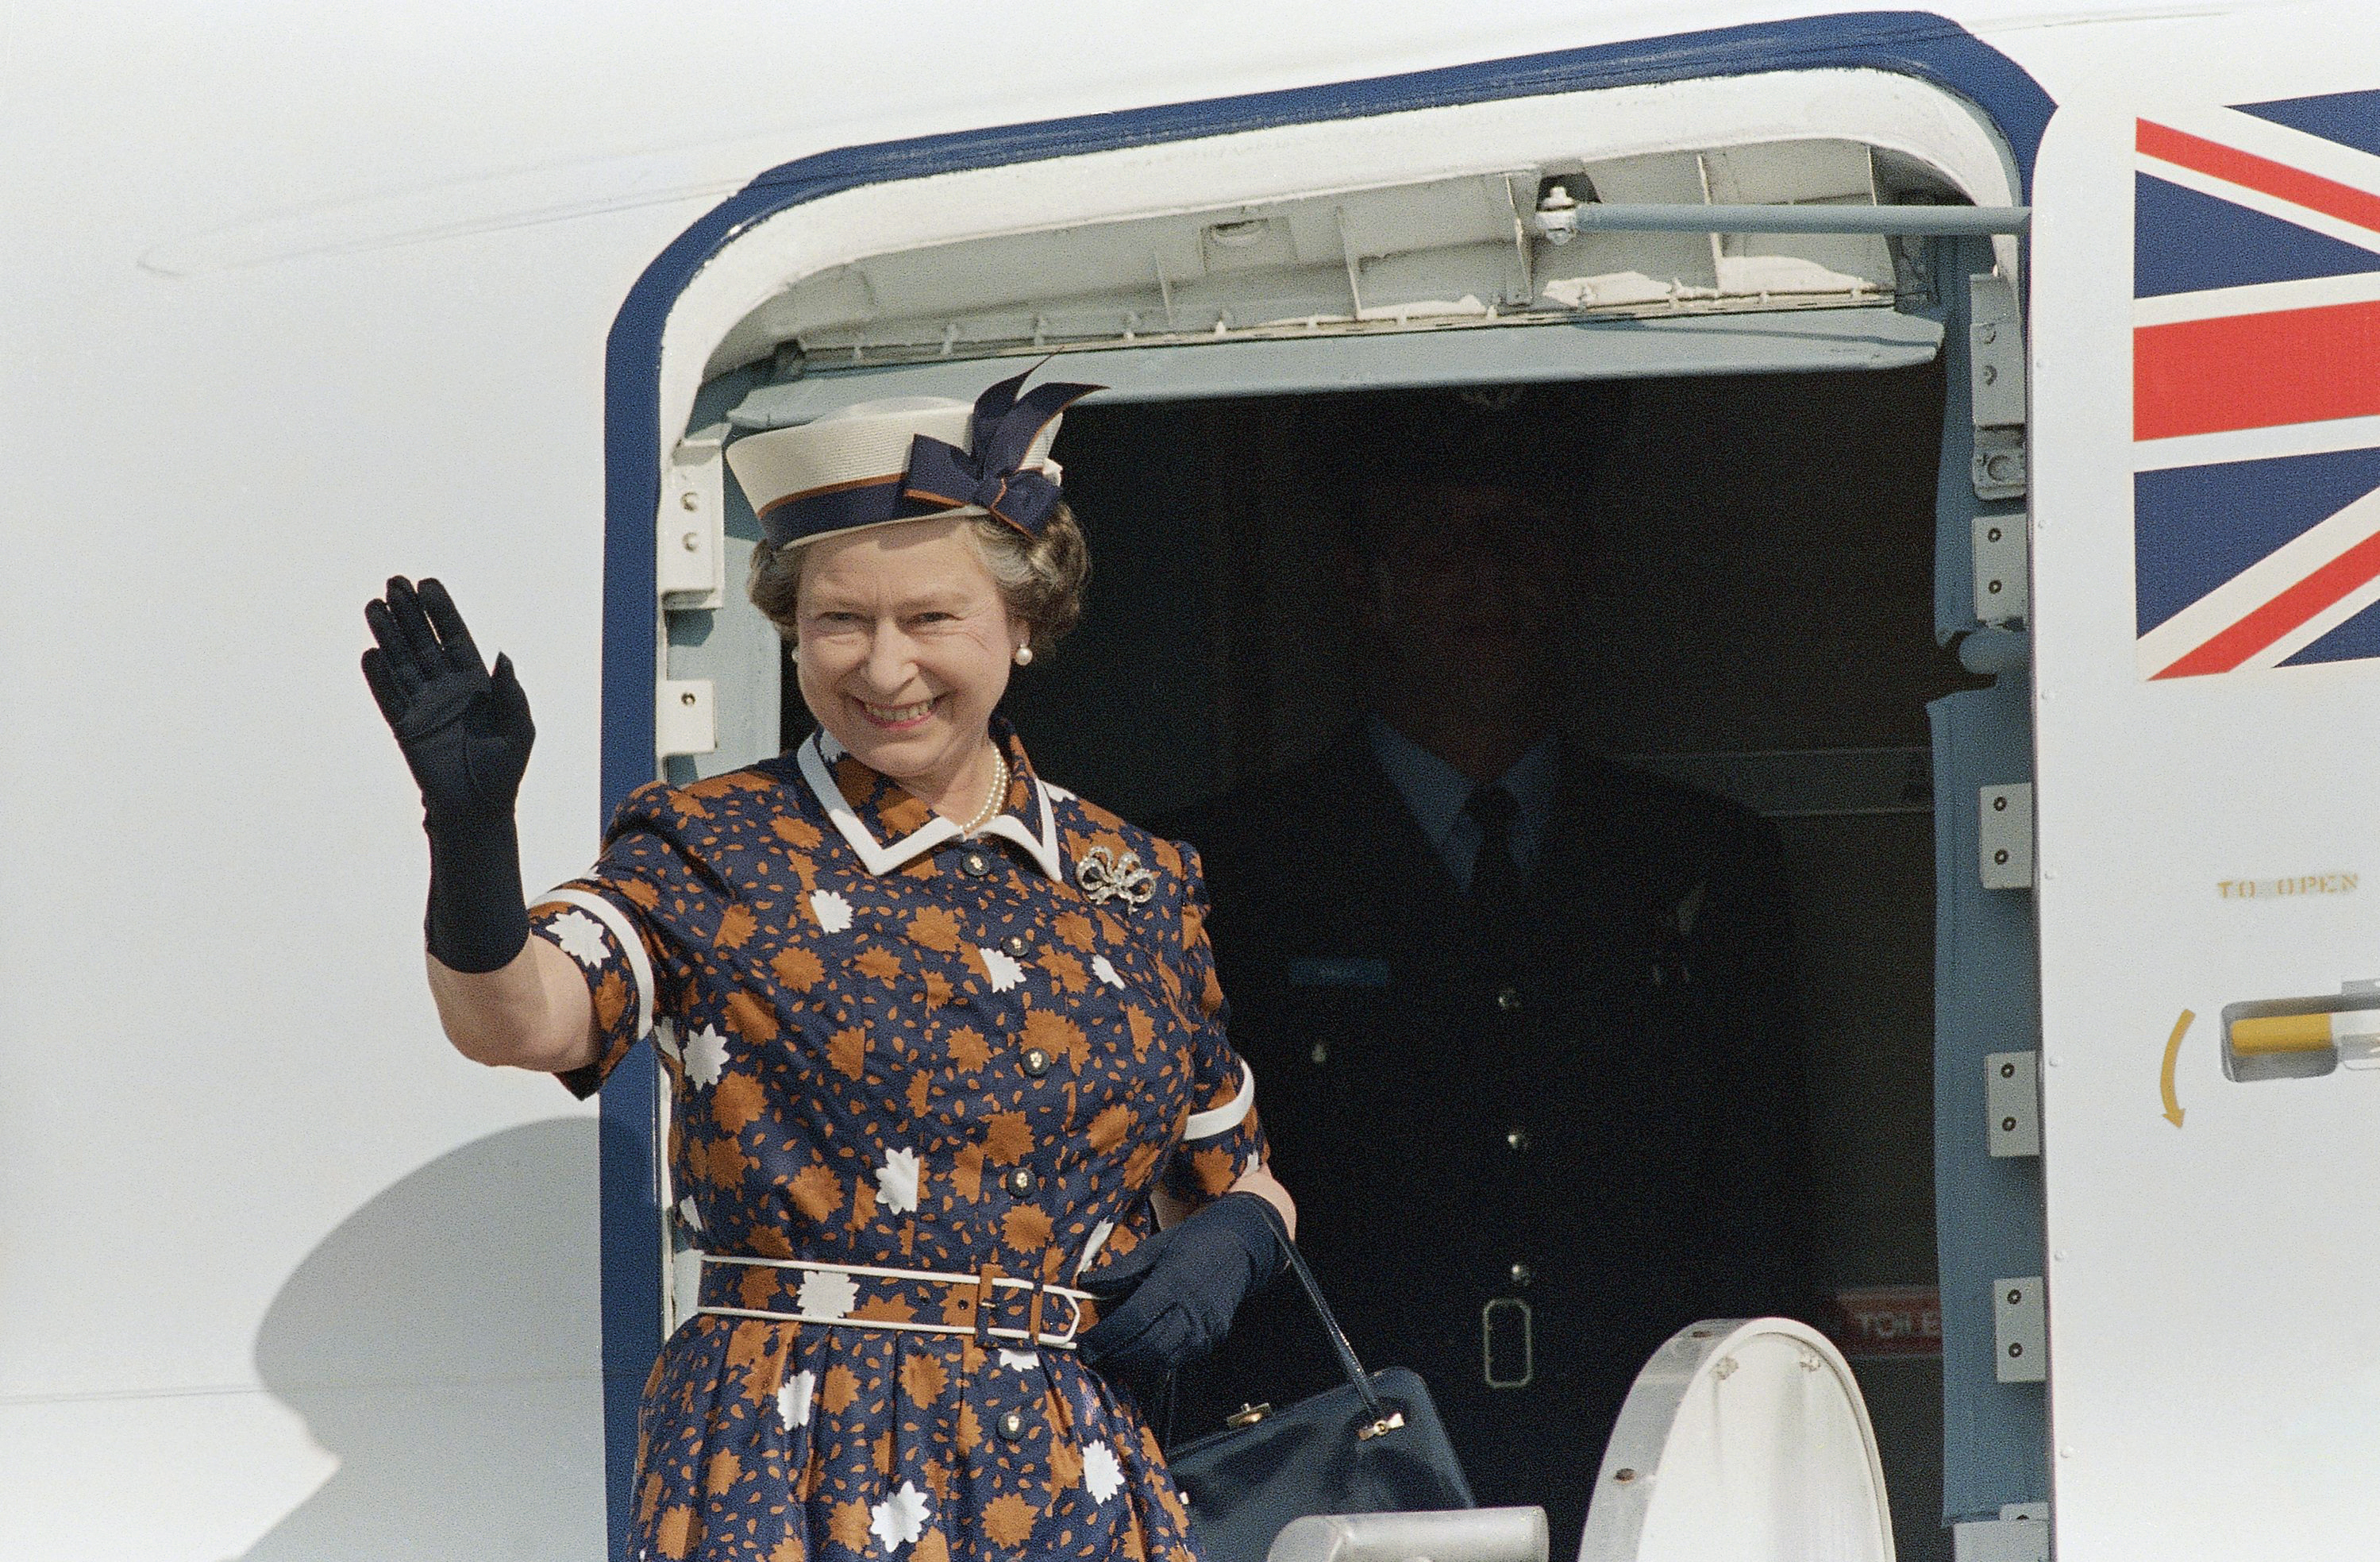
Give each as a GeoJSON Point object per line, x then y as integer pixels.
{"type": "Point", "coordinates": [1914, 43]}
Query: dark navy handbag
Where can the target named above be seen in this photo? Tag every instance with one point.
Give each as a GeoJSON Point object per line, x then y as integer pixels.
{"type": "Point", "coordinates": [1373, 1444]}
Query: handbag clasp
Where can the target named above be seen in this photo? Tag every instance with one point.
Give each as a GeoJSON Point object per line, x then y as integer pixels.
{"type": "Point", "coordinates": [1248, 1415]}
{"type": "Point", "coordinates": [1387, 1424]}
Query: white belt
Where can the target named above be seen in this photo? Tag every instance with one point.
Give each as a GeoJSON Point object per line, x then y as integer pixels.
{"type": "Point", "coordinates": [834, 1293]}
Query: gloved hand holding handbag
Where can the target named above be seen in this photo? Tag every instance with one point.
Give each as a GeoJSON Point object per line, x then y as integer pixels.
{"type": "Point", "coordinates": [1178, 1290]}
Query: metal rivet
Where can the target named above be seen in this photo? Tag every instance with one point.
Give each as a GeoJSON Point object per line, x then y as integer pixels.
{"type": "Point", "coordinates": [686, 699]}
{"type": "Point", "coordinates": [1522, 1274]}
{"type": "Point", "coordinates": [2015, 1296]}
{"type": "Point", "coordinates": [2008, 1125]}
{"type": "Point", "coordinates": [1999, 804]}
{"type": "Point", "coordinates": [2000, 856]}
{"type": "Point", "coordinates": [1623, 1476]}
{"type": "Point", "coordinates": [692, 501]}
{"type": "Point", "coordinates": [2007, 1071]}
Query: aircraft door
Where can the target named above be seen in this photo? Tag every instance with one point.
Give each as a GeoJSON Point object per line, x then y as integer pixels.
{"type": "Point", "coordinates": [2205, 599]}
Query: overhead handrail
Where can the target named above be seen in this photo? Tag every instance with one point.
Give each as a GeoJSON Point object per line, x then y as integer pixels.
{"type": "Point", "coordinates": [1893, 222]}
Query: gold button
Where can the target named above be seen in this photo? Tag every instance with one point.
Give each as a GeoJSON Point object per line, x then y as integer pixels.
{"type": "Point", "coordinates": [1020, 1181]}
{"type": "Point", "coordinates": [1012, 1425]}
{"type": "Point", "coordinates": [1017, 944]}
{"type": "Point", "coordinates": [1036, 1062]}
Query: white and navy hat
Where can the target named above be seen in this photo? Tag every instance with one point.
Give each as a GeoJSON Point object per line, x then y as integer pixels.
{"type": "Point", "coordinates": [907, 457]}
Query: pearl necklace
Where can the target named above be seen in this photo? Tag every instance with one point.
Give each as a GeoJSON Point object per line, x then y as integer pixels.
{"type": "Point", "coordinates": [999, 795]}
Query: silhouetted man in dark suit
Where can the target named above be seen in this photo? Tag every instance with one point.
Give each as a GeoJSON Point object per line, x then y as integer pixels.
{"type": "Point", "coordinates": [1522, 1020]}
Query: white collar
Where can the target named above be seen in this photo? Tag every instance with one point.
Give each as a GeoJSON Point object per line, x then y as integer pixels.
{"type": "Point", "coordinates": [818, 756]}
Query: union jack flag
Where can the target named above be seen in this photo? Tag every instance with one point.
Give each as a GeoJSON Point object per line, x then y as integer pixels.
{"type": "Point", "coordinates": [2256, 385]}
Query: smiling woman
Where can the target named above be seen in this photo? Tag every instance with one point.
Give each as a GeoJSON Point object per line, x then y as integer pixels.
{"type": "Point", "coordinates": [944, 1043]}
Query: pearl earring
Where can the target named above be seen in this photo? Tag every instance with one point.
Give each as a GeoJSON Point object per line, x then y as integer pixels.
{"type": "Point", "coordinates": [1024, 655]}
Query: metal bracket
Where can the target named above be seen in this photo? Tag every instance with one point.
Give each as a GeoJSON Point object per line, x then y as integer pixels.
{"type": "Point", "coordinates": [2020, 1331]}
{"type": "Point", "coordinates": [1996, 352]}
{"type": "Point", "coordinates": [2004, 836]}
{"type": "Point", "coordinates": [1997, 469]}
{"type": "Point", "coordinates": [691, 528]}
{"type": "Point", "coordinates": [2003, 584]}
{"type": "Point", "coordinates": [686, 717]}
{"type": "Point", "coordinates": [2012, 1104]}
{"type": "Point", "coordinates": [2019, 1534]}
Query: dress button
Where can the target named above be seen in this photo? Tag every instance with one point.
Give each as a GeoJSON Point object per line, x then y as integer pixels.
{"type": "Point", "coordinates": [1508, 999]}
{"type": "Point", "coordinates": [1012, 1425]}
{"type": "Point", "coordinates": [1016, 945]}
{"type": "Point", "coordinates": [1516, 1139]}
{"type": "Point", "coordinates": [1522, 1274]}
{"type": "Point", "coordinates": [1036, 1062]}
{"type": "Point", "coordinates": [1020, 1181]}
{"type": "Point", "coordinates": [975, 863]}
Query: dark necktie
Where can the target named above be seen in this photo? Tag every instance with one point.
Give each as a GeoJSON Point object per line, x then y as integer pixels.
{"type": "Point", "coordinates": [1496, 884]}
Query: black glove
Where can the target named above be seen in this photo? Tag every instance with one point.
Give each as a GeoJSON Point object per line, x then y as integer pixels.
{"type": "Point", "coordinates": [465, 735]}
{"type": "Point", "coordinates": [1181, 1286]}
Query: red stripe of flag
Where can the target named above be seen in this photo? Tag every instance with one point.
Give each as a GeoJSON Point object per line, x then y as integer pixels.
{"type": "Point", "coordinates": [2227, 650]}
{"type": "Point", "coordinates": [2256, 370]}
{"type": "Point", "coordinates": [2332, 199]}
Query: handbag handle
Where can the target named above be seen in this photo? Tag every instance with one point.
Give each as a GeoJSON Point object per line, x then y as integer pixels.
{"type": "Point", "coordinates": [1339, 1345]}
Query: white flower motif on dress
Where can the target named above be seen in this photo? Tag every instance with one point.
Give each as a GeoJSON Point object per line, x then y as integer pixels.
{"type": "Point", "coordinates": [1005, 972]}
{"type": "Point", "coordinates": [706, 1055]}
{"type": "Point", "coordinates": [834, 910]}
{"type": "Point", "coordinates": [1102, 1476]}
{"type": "Point", "coordinates": [665, 1038]}
{"type": "Point", "coordinates": [828, 1293]}
{"type": "Point", "coordinates": [1020, 1361]}
{"type": "Point", "coordinates": [896, 1181]}
{"type": "Point", "coordinates": [1104, 971]}
{"type": "Point", "coordinates": [580, 936]}
{"type": "Point", "coordinates": [793, 1400]}
{"type": "Point", "coordinates": [900, 1518]}
{"type": "Point", "coordinates": [687, 1216]}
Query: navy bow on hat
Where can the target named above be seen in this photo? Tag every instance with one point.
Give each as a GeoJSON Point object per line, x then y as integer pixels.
{"type": "Point", "coordinates": [988, 473]}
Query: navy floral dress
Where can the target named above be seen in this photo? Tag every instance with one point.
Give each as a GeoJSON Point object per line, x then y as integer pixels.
{"type": "Point", "coordinates": [904, 1053]}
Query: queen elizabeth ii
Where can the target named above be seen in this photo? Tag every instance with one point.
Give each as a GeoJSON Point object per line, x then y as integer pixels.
{"type": "Point", "coordinates": [944, 1042]}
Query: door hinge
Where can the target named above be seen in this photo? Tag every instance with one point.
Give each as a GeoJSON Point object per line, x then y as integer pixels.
{"type": "Point", "coordinates": [2019, 1534]}
{"type": "Point", "coordinates": [691, 528]}
{"type": "Point", "coordinates": [1995, 391]}
{"type": "Point", "coordinates": [2012, 1104]}
{"type": "Point", "coordinates": [2020, 1331]}
{"type": "Point", "coordinates": [2003, 588]}
{"type": "Point", "coordinates": [2004, 836]}
{"type": "Point", "coordinates": [686, 717]}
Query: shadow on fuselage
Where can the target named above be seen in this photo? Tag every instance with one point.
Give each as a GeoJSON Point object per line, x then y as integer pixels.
{"type": "Point", "coordinates": [443, 1343]}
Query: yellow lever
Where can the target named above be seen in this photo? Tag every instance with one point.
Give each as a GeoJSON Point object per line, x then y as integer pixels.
{"type": "Point", "coordinates": [2297, 1032]}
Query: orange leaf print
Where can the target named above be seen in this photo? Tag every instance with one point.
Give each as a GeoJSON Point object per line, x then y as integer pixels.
{"type": "Point", "coordinates": [797, 969]}
{"type": "Point", "coordinates": [904, 812]}
{"type": "Point", "coordinates": [1009, 1520]}
{"type": "Point", "coordinates": [1065, 970]}
{"type": "Point", "coordinates": [1215, 1171]}
{"type": "Point", "coordinates": [1006, 1138]}
{"type": "Point", "coordinates": [751, 1018]}
{"type": "Point", "coordinates": [838, 1389]}
{"type": "Point", "coordinates": [883, 1452]}
{"type": "Point", "coordinates": [881, 964]}
{"type": "Point", "coordinates": [938, 989]}
{"type": "Point", "coordinates": [935, 929]}
{"type": "Point", "coordinates": [652, 1495]}
{"type": "Point", "coordinates": [736, 926]}
{"type": "Point", "coordinates": [967, 1048]}
{"type": "Point", "coordinates": [816, 1191]}
{"type": "Point", "coordinates": [930, 1546]}
{"type": "Point", "coordinates": [1058, 1036]}
{"type": "Point", "coordinates": [1144, 1030]}
{"type": "Point", "coordinates": [921, 1085]}
{"type": "Point", "coordinates": [1140, 1162]}
{"type": "Point", "coordinates": [1074, 928]}
{"type": "Point", "coordinates": [757, 1289]}
{"type": "Point", "coordinates": [688, 804]}
{"type": "Point", "coordinates": [770, 1243]}
{"type": "Point", "coordinates": [736, 1102]}
{"type": "Point", "coordinates": [1108, 1129]}
{"type": "Point", "coordinates": [885, 1309]}
{"type": "Point", "coordinates": [788, 1549]}
{"type": "Point", "coordinates": [970, 1433]}
{"type": "Point", "coordinates": [847, 1526]}
{"type": "Point", "coordinates": [797, 833]}
{"type": "Point", "coordinates": [640, 893]}
{"type": "Point", "coordinates": [847, 1050]}
{"type": "Point", "coordinates": [1025, 1228]}
{"type": "Point", "coordinates": [923, 1379]}
{"type": "Point", "coordinates": [679, 1531]}
{"type": "Point", "coordinates": [718, 1160]}
{"type": "Point", "coordinates": [724, 1471]}
{"type": "Point", "coordinates": [1065, 1466]}
{"type": "Point", "coordinates": [610, 997]}
{"type": "Point", "coordinates": [966, 1173]}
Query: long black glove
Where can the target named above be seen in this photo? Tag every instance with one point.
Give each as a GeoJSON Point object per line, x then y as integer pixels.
{"type": "Point", "coordinates": [1181, 1286]}
{"type": "Point", "coordinates": [466, 734]}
